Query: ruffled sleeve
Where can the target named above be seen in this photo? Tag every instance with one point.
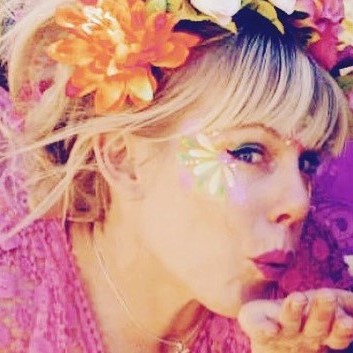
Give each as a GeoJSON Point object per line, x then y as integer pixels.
{"type": "Point", "coordinates": [43, 304]}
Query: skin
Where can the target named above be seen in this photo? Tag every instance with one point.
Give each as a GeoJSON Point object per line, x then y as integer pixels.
{"type": "Point", "coordinates": [310, 322]}
{"type": "Point", "coordinates": [169, 261]}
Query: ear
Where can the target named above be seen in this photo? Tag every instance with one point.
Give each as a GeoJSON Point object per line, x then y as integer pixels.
{"type": "Point", "coordinates": [117, 162]}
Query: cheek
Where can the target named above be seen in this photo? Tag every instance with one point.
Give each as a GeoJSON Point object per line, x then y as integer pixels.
{"type": "Point", "coordinates": [219, 181]}
{"type": "Point", "coordinates": [195, 235]}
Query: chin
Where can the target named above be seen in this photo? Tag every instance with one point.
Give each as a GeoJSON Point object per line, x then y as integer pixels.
{"type": "Point", "coordinates": [227, 300]}
{"type": "Point", "coordinates": [229, 311]}
{"type": "Point", "coordinates": [227, 303]}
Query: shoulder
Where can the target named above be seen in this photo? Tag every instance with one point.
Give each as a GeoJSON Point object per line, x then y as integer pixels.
{"type": "Point", "coordinates": [43, 305]}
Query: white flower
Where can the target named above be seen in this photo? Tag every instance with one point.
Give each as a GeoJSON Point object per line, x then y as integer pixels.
{"type": "Point", "coordinates": [348, 259]}
{"type": "Point", "coordinates": [288, 6]}
{"type": "Point", "coordinates": [221, 10]}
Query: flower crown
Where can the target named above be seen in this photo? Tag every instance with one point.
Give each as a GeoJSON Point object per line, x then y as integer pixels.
{"type": "Point", "coordinates": [115, 47]}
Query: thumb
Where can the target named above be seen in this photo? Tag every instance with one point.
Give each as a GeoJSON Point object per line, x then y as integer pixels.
{"type": "Point", "coordinates": [259, 319]}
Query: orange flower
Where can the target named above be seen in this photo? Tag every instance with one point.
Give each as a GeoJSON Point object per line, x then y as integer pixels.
{"type": "Point", "coordinates": [113, 46]}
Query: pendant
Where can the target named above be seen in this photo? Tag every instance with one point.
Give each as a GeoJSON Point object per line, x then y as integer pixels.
{"type": "Point", "coordinates": [181, 348]}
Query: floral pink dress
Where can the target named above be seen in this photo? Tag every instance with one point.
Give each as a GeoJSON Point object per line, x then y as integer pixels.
{"type": "Point", "coordinates": [43, 304]}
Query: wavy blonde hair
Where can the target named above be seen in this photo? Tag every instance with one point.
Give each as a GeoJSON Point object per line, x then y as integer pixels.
{"type": "Point", "coordinates": [252, 77]}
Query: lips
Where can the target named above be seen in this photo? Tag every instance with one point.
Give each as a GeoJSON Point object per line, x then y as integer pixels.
{"type": "Point", "coordinates": [273, 264]}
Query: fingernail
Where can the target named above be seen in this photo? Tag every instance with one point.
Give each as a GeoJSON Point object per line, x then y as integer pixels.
{"type": "Point", "coordinates": [327, 298]}
{"type": "Point", "coordinates": [297, 305]}
{"type": "Point", "coordinates": [298, 301]}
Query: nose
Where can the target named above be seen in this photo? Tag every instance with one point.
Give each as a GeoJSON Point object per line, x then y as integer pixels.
{"type": "Point", "coordinates": [291, 200]}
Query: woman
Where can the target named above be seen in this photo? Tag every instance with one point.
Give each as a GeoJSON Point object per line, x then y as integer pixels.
{"type": "Point", "coordinates": [182, 185]}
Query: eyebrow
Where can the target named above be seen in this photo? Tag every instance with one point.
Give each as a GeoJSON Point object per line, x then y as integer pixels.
{"type": "Point", "coordinates": [268, 129]}
{"type": "Point", "coordinates": [274, 133]}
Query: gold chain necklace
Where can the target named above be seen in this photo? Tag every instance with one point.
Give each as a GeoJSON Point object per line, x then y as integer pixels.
{"type": "Point", "coordinates": [179, 346]}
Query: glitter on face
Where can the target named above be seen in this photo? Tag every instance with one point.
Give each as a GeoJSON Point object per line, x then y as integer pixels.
{"type": "Point", "coordinates": [213, 169]}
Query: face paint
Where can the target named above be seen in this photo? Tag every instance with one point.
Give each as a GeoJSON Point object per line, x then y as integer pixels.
{"type": "Point", "coordinates": [212, 170]}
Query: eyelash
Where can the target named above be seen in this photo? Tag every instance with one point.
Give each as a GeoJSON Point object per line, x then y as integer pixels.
{"type": "Point", "coordinates": [248, 150]}
{"type": "Point", "coordinates": [243, 153]}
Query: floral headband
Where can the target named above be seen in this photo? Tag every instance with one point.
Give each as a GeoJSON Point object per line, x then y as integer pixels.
{"type": "Point", "coordinates": [115, 47]}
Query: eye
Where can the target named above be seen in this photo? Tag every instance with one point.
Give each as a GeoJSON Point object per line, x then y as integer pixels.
{"type": "Point", "coordinates": [249, 153]}
{"type": "Point", "coordinates": [309, 162]}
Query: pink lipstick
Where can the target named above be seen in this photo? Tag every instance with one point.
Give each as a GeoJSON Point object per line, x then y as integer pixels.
{"type": "Point", "coordinates": [273, 264]}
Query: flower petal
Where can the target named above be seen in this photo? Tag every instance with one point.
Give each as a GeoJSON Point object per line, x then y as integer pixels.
{"type": "Point", "coordinates": [174, 58]}
{"type": "Point", "coordinates": [220, 9]}
{"type": "Point", "coordinates": [110, 93]}
{"type": "Point", "coordinates": [229, 176]}
{"type": "Point", "coordinates": [205, 142]}
{"type": "Point", "coordinates": [120, 10]}
{"type": "Point", "coordinates": [189, 40]}
{"type": "Point", "coordinates": [198, 153]}
{"type": "Point", "coordinates": [71, 51]}
{"type": "Point", "coordinates": [215, 182]}
{"type": "Point", "coordinates": [288, 6]}
{"type": "Point", "coordinates": [83, 77]}
{"type": "Point", "coordinates": [159, 27]}
{"type": "Point", "coordinates": [69, 17]}
{"type": "Point", "coordinates": [204, 167]}
{"type": "Point", "coordinates": [138, 16]}
{"type": "Point", "coordinates": [140, 86]}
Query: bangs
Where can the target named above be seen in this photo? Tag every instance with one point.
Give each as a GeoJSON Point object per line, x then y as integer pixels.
{"type": "Point", "coordinates": [279, 86]}
{"type": "Point", "coordinates": [254, 77]}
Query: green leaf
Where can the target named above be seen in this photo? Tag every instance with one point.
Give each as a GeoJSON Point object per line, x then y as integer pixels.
{"type": "Point", "coordinates": [156, 6]}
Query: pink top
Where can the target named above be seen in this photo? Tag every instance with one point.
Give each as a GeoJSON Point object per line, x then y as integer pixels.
{"type": "Point", "coordinates": [43, 304]}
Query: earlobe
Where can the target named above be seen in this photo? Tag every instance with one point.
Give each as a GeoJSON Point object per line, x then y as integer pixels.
{"type": "Point", "coordinates": [115, 158]}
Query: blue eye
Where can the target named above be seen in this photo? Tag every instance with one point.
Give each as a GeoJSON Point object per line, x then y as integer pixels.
{"type": "Point", "coordinates": [251, 154]}
{"type": "Point", "coordinates": [309, 162]}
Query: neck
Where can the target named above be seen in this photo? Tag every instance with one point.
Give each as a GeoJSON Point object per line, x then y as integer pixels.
{"type": "Point", "coordinates": [154, 308]}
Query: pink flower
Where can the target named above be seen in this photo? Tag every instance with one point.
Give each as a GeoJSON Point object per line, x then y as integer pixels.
{"type": "Point", "coordinates": [325, 50]}
{"type": "Point", "coordinates": [325, 17]}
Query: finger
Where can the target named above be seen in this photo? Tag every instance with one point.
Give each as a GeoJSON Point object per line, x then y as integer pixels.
{"type": "Point", "coordinates": [265, 331]}
{"type": "Point", "coordinates": [321, 315]}
{"type": "Point", "coordinates": [345, 300]}
{"type": "Point", "coordinates": [341, 334]}
{"type": "Point", "coordinates": [258, 319]}
{"type": "Point", "coordinates": [292, 314]}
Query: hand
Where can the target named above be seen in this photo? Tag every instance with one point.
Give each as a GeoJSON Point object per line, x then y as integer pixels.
{"type": "Point", "coordinates": [307, 322]}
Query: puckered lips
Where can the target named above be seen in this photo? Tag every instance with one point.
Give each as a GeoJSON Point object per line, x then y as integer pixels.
{"type": "Point", "coordinates": [273, 264]}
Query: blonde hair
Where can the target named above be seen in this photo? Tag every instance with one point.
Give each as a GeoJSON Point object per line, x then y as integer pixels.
{"type": "Point", "coordinates": [251, 77]}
